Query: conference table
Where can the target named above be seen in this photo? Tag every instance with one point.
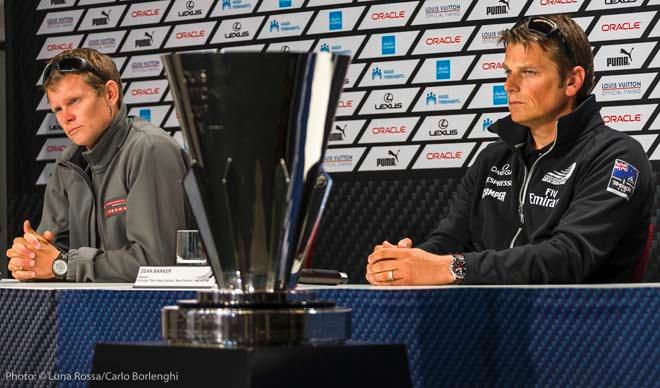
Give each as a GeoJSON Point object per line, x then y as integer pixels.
{"type": "Point", "coordinates": [462, 336]}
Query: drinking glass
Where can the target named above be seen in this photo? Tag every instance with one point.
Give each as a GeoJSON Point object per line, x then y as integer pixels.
{"type": "Point", "coordinates": [189, 249]}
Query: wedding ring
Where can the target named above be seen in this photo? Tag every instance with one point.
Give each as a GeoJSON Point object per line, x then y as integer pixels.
{"type": "Point", "coordinates": [390, 275]}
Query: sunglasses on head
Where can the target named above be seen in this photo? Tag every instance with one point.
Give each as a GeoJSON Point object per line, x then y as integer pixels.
{"type": "Point", "coordinates": [70, 65]}
{"type": "Point", "coordinates": [546, 28]}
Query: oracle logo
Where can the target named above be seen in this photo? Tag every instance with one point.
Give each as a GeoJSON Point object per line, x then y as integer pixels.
{"type": "Point", "coordinates": [553, 2]}
{"type": "Point", "coordinates": [492, 66]}
{"type": "Point", "coordinates": [388, 15]}
{"type": "Point", "coordinates": [190, 34]}
{"type": "Point", "coordinates": [389, 130]}
{"type": "Point", "coordinates": [444, 155]}
{"type": "Point", "coordinates": [55, 148]}
{"type": "Point", "coordinates": [625, 118]}
{"type": "Point", "coordinates": [626, 26]}
{"type": "Point", "coordinates": [145, 92]}
{"type": "Point", "coordinates": [431, 41]}
{"type": "Point", "coordinates": [345, 104]}
{"type": "Point", "coordinates": [60, 46]}
{"type": "Point", "coordinates": [145, 13]}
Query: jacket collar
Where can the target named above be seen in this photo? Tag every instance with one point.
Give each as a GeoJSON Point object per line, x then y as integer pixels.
{"type": "Point", "coordinates": [569, 127]}
{"type": "Point", "coordinates": [104, 150]}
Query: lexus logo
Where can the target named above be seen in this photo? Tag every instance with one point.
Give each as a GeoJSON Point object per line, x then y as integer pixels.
{"type": "Point", "coordinates": [443, 123]}
{"type": "Point", "coordinates": [388, 97]}
{"type": "Point", "coordinates": [190, 4]}
{"type": "Point", "coordinates": [237, 26]}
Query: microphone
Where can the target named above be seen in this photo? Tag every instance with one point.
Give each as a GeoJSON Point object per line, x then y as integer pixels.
{"type": "Point", "coordinates": [328, 277]}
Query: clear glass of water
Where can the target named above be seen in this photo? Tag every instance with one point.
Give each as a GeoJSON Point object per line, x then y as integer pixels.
{"type": "Point", "coordinates": [189, 249]}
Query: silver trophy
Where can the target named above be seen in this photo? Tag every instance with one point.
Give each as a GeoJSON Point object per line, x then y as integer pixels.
{"type": "Point", "coordinates": [256, 126]}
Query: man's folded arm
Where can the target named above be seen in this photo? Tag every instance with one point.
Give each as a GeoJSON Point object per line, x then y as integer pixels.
{"type": "Point", "coordinates": [587, 234]}
{"type": "Point", "coordinates": [155, 210]}
{"type": "Point", "coordinates": [55, 214]}
{"type": "Point", "coordinates": [453, 232]}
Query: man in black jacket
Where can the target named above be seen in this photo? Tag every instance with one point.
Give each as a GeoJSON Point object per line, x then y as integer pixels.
{"type": "Point", "coordinates": [560, 198]}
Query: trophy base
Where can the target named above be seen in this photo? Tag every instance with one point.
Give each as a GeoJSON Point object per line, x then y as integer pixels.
{"type": "Point", "coordinates": [327, 366]}
{"type": "Point", "coordinates": [231, 320]}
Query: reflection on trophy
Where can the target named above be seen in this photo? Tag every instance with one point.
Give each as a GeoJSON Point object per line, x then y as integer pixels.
{"type": "Point", "coordinates": [256, 126]}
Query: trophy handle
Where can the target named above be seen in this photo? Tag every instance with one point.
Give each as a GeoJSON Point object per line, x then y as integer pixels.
{"type": "Point", "coordinates": [281, 183]}
{"type": "Point", "coordinates": [196, 191]}
{"type": "Point", "coordinates": [230, 249]}
{"type": "Point", "coordinates": [308, 233]}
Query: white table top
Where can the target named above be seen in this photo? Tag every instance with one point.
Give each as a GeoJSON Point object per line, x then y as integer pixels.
{"type": "Point", "coordinates": [14, 284]}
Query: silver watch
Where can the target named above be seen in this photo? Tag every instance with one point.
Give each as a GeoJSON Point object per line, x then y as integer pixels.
{"type": "Point", "coordinates": [457, 268]}
{"type": "Point", "coordinates": [61, 266]}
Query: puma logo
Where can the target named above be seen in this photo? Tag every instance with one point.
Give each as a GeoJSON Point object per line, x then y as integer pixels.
{"type": "Point", "coordinates": [395, 156]}
{"type": "Point", "coordinates": [628, 54]}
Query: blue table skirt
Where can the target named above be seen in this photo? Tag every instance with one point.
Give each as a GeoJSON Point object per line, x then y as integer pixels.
{"type": "Point", "coordinates": [601, 337]}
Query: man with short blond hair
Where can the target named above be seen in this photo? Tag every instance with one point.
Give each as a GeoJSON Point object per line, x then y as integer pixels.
{"type": "Point", "coordinates": [560, 198]}
{"type": "Point", "coordinates": [114, 200]}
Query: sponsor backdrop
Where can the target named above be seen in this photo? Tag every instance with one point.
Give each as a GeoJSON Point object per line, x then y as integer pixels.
{"type": "Point", "coordinates": [425, 83]}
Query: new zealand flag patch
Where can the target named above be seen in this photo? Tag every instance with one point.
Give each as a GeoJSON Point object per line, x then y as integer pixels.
{"type": "Point", "coordinates": [623, 179]}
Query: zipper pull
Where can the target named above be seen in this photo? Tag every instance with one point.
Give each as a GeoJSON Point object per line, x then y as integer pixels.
{"type": "Point", "coordinates": [520, 213]}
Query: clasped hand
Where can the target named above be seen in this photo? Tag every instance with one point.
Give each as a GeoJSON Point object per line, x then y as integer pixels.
{"type": "Point", "coordinates": [32, 256]}
{"type": "Point", "coordinates": [403, 265]}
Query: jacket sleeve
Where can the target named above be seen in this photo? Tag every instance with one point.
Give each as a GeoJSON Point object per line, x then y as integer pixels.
{"type": "Point", "coordinates": [453, 234]}
{"type": "Point", "coordinates": [55, 214]}
{"type": "Point", "coordinates": [155, 210]}
{"type": "Point", "coordinates": [586, 235]}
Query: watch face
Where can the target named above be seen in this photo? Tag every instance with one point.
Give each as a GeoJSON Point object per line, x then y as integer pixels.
{"type": "Point", "coordinates": [59, 267]}
{"type": "Point", "coordinates": [458, 267]}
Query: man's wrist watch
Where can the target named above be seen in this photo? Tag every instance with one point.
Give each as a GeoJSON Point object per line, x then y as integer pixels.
{"type": "Point", "coordinates": [61, 266]}
{"type": "Point", "coordinates": [457, 268]}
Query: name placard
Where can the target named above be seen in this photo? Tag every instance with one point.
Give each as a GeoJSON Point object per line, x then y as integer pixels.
{"type": "Point", "coordinates": [175, 277]}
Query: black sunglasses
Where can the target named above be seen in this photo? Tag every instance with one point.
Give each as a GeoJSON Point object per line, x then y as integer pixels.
{"type": "Point", "coordinates": [70, 65]}
{"type": "Point", "coordinates": [546, 28]}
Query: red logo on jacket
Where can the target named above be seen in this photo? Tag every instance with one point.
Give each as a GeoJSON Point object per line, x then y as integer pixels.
{"type": "Point", "coordinates": [114, 207]}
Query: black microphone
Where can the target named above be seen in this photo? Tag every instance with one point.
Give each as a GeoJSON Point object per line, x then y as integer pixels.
{"type": "Point", "coordinates": [327, 277]}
